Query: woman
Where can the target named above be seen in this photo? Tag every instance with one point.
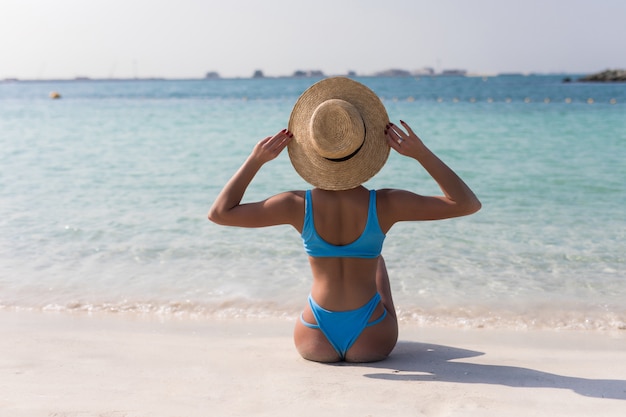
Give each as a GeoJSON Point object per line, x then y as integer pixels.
{"type": "Point", "coordinates": [338, 137]}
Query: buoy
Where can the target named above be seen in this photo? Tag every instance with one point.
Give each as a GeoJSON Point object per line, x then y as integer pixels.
{"type": "Point", "coordinates": [613, 101]}
{"type": "Point", "coordinates": [568, 100]}
{"type": "Point", "coordinates": [508, 99]}
{"type": "Point", "coordinates": [546, 100]}
{"type": "Point", "coordinates": [489, 100]}
{"type": "Point", "coordinates": [440, 100]}
{"type": "Point", "coordinates": [590, 101]}
{"type": "Point", "coordinates": [527, 100]}
{"type": "Point", "coordinates": [54, 95]}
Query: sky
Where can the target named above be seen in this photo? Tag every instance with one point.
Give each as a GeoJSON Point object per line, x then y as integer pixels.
{"type": "Point", "coordinates": [46, 39]}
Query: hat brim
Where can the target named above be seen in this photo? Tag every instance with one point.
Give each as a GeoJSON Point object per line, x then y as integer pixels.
{"type": "Point", "coordinates": [370, 158]}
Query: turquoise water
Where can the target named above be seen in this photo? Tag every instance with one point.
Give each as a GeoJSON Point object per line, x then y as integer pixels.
{"type": "Point", "coordinates": [105, 192]}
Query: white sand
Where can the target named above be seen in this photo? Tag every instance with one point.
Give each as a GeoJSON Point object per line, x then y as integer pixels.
{"type": "Point", "coordinates": [116, 366]}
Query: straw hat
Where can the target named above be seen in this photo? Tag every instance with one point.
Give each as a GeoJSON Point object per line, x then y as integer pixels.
{"type": "Point", "coordinates": [338, 129]}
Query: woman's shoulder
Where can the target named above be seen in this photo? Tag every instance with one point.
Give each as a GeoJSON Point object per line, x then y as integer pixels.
{"type": "Point", "coordinates": [392, 193]}
{"type": "Point", "coordinates": [293, 195]}
{"type": "Point", "coordinates": [395, 205]}
{"type": "Point", "coordinates": [297, 194]}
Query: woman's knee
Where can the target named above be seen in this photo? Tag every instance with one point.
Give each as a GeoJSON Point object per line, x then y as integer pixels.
{"type": "Point", "coordinates": [312, 345]}
{"type": "Point", "coordinates": [317, 352]}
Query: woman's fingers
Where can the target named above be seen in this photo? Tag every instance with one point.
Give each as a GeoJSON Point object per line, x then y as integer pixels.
{"type": "Point", "coordinates": [395, 133]}
{"type": "Point", "coordinates": [408, 129]}
{"type": "Point", "coordinates": [392, 128]}
{"type": "Point", "coordinates": [271, 146]}
{"type": "Point", "coordinates": [393, 138]}
{"type": "Point", "coordinates": [280, 140]}
{"type": "Point", "coordinates": [283, 138]}
{"type": "Point", "coordinates": [406, 143]}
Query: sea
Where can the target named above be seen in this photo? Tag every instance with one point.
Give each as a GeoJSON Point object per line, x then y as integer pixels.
{"type": "Point", "coordinates": [104, 195]}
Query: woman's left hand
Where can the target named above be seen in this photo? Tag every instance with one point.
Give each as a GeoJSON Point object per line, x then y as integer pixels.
{"type": "Point", "coordinates": [407, 144]}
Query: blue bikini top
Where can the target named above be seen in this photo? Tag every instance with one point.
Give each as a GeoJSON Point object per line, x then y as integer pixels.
{"type": "Point", "coordinates": [368, 245]}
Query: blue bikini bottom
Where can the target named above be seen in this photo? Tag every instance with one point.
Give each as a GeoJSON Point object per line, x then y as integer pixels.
{"type": "Point", "coordinates": [343, 328]}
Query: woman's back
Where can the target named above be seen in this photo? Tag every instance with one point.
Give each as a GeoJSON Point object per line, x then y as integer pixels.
{"type": "Point", "coordinates": [339, 219]}
{"type": "Point", "coordinates": [340, 216]}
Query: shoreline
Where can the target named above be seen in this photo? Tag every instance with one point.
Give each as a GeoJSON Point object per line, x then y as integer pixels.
{"type": "Point", "coordinates": [526, 316]}
{"type": "Point", "coordinates": [114, 365]}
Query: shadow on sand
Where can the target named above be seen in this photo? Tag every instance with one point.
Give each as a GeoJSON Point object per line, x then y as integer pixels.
{"type": "Point", "coordinates": [411, 361]}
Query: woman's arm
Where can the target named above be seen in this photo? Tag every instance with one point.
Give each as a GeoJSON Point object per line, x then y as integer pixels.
{"type": "Point", "coordinates": [457, 200]}
{"type": "Point", "coordinates": [227, 208]}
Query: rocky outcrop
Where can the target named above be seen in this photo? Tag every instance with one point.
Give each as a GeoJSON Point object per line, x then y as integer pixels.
{"type": "Point", "coordinates": [606, 76]}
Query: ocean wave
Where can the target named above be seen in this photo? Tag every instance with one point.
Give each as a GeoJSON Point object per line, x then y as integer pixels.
{"type": "Point", "coordinates": [476, 317]}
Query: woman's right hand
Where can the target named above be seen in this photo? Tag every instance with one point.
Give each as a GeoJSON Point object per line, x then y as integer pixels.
{"type": "Point", "coordinates": [270, 147]}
